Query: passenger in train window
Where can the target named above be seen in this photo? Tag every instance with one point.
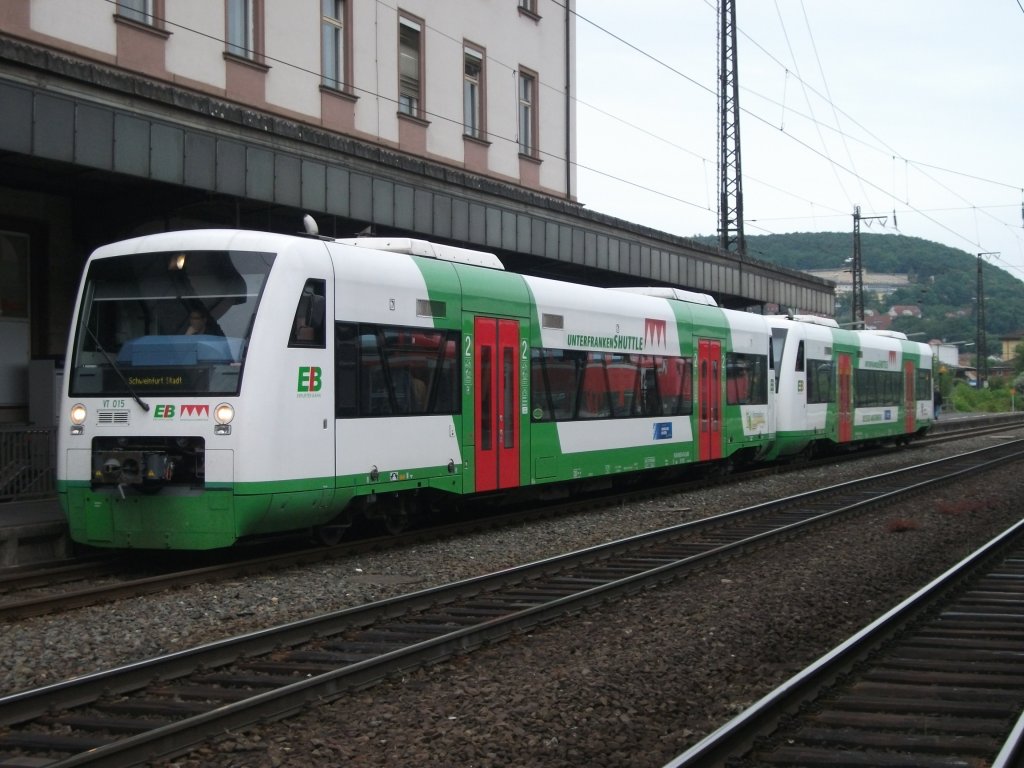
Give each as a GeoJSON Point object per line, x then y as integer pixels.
{"type": "Point", "coordinates": [200, 322]}
{"type": "Point", "coordinates": [419, 394]}
{"type": "Point", "coordinates": [196, 323]}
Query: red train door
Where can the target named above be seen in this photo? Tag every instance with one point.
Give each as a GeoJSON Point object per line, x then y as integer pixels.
{"type": "Point", "coordinates": [845, 398]}
{"type": "Point", "coordinates": [909, 397]}
{"type": "Point", "coordinates": [496, 372]}
{"type": "Point", "coordinates": [709, 399]}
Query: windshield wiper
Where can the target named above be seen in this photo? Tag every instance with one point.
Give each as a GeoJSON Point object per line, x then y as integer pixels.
{"type": "Point", "coordinates": [143, 405]}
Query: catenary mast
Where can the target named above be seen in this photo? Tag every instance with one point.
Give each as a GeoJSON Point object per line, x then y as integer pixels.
{"type": "Point", "coordinates": [730, 175]}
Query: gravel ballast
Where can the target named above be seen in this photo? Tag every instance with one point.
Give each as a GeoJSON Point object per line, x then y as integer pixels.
{"type": "Point", "coordinates": [630, 684]}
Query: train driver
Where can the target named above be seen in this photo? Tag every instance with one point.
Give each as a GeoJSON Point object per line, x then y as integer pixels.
{"type": "Point", "coordinates": [196, 322]}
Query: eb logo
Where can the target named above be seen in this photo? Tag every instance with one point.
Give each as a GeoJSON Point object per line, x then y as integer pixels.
{"type": "Point", "coordinates": [310, 378]}
{"type": "Point", "coordinates": [163, 412]}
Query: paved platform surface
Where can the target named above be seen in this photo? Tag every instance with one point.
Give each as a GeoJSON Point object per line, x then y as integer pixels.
{"type": "Point", "coordinates": [31, 532]}
{"type": "Point", "coordinates": [16, 513]}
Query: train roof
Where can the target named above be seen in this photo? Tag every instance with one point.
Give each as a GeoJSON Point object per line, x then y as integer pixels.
{"type": "Point", "coordinates": [668, 292]}
{"type": "Point", "coordinates": [186, 239]}
{"type": "Point", "coordinates": [427, 249]}
{"type": "Point", "coordinates": [890, 334]}
{"type": "Point", "coordinates": [812, 319]}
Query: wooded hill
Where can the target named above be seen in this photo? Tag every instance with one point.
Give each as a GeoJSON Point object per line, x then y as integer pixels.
{"type": "Point", "coordinates": [943, 280]}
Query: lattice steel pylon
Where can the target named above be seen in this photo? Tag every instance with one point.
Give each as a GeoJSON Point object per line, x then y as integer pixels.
{"type": "Point", "coordinates": [981, 343]}
{"type": "Point", "coordinates": [857, 268]}
{"type": "Point", "coordinates": [730, 173]}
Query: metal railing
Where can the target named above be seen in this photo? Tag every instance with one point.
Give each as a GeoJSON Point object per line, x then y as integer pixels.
{"type": "Point", "coordinates": [27, 463]}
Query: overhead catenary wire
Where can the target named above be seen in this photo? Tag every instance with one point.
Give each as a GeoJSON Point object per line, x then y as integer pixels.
{"type": "Point", "coordinates": [879, 145]}
{"type": "Point", "coordinates": [849, 168]}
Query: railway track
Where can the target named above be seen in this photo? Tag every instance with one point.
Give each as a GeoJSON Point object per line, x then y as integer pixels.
{"type": "Point", "coordinates": [166, 705]}
{"type": "Point", "coordinates": [66, 587]}
{"type": "Point", "coordinates": [60, 587]}
{"type": "Point", "coordinates": [938, 681]}
{"type": "Point", "coordinates": [19, 580]}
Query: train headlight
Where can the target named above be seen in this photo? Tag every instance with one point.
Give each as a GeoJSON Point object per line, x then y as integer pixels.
{"type": "Point", "coordinates": [78, 413]}
{"type": "Point", "coordinates": [223, 414]}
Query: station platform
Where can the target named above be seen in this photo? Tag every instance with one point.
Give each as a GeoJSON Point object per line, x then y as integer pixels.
{"type": "Point", "coordinates": [32, 532]}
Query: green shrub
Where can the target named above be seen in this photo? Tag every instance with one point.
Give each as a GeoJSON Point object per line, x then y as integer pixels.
{"type": "Point", "coordinates": [996, 398]}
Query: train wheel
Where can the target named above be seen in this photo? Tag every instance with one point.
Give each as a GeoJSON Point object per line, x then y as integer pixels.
{"type": "Point", "coordinates": [721, 469]}
{"type": "Point", "coordinates": [396, 520]}
{"type": "Point", "coordinates": [328, 535]}
{"type": "Point", "coordinates": [392, 514]}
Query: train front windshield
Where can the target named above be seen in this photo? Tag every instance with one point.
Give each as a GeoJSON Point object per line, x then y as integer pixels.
{"type": "Point", "coordinates": [167, 323]}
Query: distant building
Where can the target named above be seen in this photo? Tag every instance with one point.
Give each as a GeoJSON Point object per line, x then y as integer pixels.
{"type": "Point", "coordinates": [873, 321]}
{"type": "Point", "coordinates": [947, 354]}
{"type": "Point", "coordinates": [1010, 342]}
{"type": "Point", "coordinates": [875, 283]}
{"type": "Point", "coordinates": [905, 310]}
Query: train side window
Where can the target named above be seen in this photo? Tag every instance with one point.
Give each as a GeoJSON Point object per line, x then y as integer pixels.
{"type": "Point", "coordinates": [675, 386]}
{"type": "Point", "coordinates": [575, 384]}
{"type": "Point", "coordinates": [595, 394]}
{"type": "Point", "coordinates": [376, 397]}
{"type": "Point", "coordinates": [540, 392]}
{"type": "Point", "coordinates": [554, 377]}
{"type": "Point", "coordinates": [346, 364]}
{"type": "Point", "coordinates": [821, 385]}
{"type": "Point", "coordinates": [310, 316]}
{"type": "Point", "coordinates": [746, 379]}
{"type": "Point", "coordinates": [396, 371]}
{"type": "Point", "coordinates": [877, 388]}
{"type": "Point", "coordinates": [508, 373]}
{"type": "Point", "coordinates": [799, 357]}
{"type": "Point", "coordinates": [649, 401]}
{"type": "Point", "coordinates": [486, 387]}
{"type": "Point", "coordinates": [923, 387]}
{"type": "Point", "coordinates": [423, 369]}
{"type": "Point", "coordinates": [623, 372]}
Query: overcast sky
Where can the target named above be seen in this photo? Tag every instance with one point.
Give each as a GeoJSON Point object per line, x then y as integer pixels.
{"type": "Point", "coordinates": [912, 107]}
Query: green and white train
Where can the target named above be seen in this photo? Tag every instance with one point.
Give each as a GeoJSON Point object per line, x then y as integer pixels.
{"type": "Point", "coordinates": [227, 384]}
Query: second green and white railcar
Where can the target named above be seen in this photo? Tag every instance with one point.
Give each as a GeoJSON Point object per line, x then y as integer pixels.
{"type": "Point", "coordinates": [840, 387]}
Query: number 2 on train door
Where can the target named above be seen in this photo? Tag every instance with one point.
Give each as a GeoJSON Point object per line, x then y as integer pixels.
{"type": "Point", "coordinates": [495, 410]}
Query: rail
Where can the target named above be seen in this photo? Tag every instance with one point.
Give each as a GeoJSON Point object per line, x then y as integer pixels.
{"type": "Point", "coordinates": [165, 706]}
{"type": "Point", "coordinates": [933, 681]}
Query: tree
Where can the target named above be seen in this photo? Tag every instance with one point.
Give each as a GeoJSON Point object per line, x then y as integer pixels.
{"type": "Point", "coordinates": [943, 279]}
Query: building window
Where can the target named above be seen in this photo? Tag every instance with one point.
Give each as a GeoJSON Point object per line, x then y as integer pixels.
{"type": "Point", "coordinates": [140, 11]}
{"type": "Point", "coordinates": [473, 93]}
{"type": "Point", "coordinates": [333, 43]}
{"type": "Point", "coordinates": [410, 67]}
{"type": "Point", "coordinates": [241, 28]}
{"type": "Point", "coordinates": [527, 113]}
{"type": "Point", "coordinates": [530, 6]}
